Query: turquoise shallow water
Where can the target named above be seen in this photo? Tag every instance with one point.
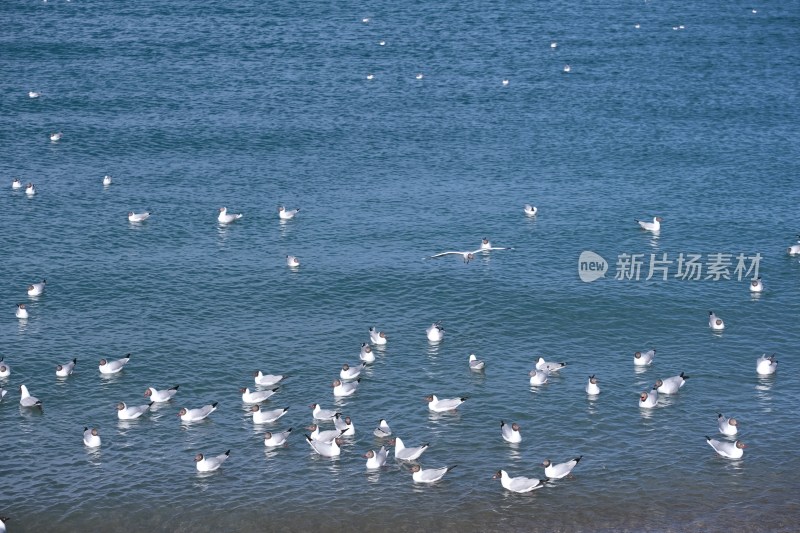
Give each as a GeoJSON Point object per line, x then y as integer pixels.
{"type": "Point", "coordinates": [194, 106]}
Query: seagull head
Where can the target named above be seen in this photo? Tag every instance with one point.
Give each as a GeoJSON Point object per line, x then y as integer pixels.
{"type": "Point", "coordinates": [369, 455]}
{"type": "Point", "coordinates": [546, 463]}
{"type": "Point", "coordinates": [643, 397]}
{"type": "Point", "coordinates": [120, 406]}
{"type": "Point", "coordinates": [198, 457]}
{"type": "Point", "coordinates": [741, 445]}
{"type": "Point", "coordinates": [182, 411]}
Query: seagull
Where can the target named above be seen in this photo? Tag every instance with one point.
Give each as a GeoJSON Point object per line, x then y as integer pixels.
{"type": "Point", "coordinates": [510, 433]}
{"type": "Point", "coordinates": [225, 218]}
{"type": "Point", "coordinates": [475, 363]}
{"type": "Point", "coordinates": [549, 367]}
{"type": "Point", "coordinates": [66, 369]}
{"type": "Point", "coordinates": [756, 285]}
{"type": "Point", "coordinates": [106, 180]}
{"type": "Point", "coordinates": [26, 400]}
{"type": "Point", "coordinates": [3, 520]}
{"type": "Point", "coordinates": [591, 386]}
{"type": "Point", "coordinates": [365, 20]}
{"type": "Point", "coordinates": [138, 217]}
{"type": "Point", "coordinates": [654, 226]}
{"type": "Point", "coordinates": [209, 464]}
{"type": "Point", "coordinates": [112, 367]}
{"type": "Point", "coordinates": [30, 189]}
{"type": "Point", "coordinates": [36, 289]}
{"type": "Point", "coordinates": [431, 475]}
{"type": "Point", "coordinates": [530, 210]}
{"type": "Point", "coordinates": [16, 184]}
{"type": "Point", "coordinates": [560, 470]}
{"type": "Point", "coordinates": [644, 359]}
{"type": "Point", "coordinates": [345, 425]}
{"type": "Point", "coordinates": [486, 246]}
{"type": "Point", "coordinates": [538, 377]}
{"type": "Point", "coordinates": [366, 354]}
{"type": "Point", "coordinates": [419, 76]}
{"type": "Point", "coordinates": [466, 256]}
{"type": "Point", "coordinates": [131, 413]}
{"type": "Point", "coordinates": [637, 25]}
{"type": "Point", "coordinates": [292, 261]}
{"type": "Point", "coordinates": [91, 437]}
{"type": "Point", "coordinates": [349, 373]}
{"type": "Point", "coordinates": [375, 460]}
{"type": "Point", "coordinates": [795, 248]}
{"type": "Point", "coordinates": [440, 406]}
{"type": "Point", "coordinates": [407, 454]}
{"type": "Point", "coordinates": [382, 43]}
{"type": "Point", "coordinates": [714, 322]}
{"type": "Point", "coordinates": [195, 415]}
{"type": "Point", "coordinates": [671, 385]}
{"type": "Point", "coordinates": [383, 430]}
{"type": "Point", "coordinates": [161, 396]}
{"type": "Point", "coordinates": [435, 332]}
{"type": "Point", "coordinates": [370, 76]}
{"type": "Point", "coordinates": [323, 436]}
{"type": "Point", "coordinates": [766, 365]}
{"type": "Point", "coordinates": [5, 369]}
{"type": "Point", "coordinates": [649, 400]}
{"type": "Point", "coordinates": [21, 312]}
{"type": "Point", "coordinates": [567, 68]}
{"type": "Point", "coordinates": [728, 450]}
{"type": "Point", "coordinates": [265, 417]}
{"type": "Point", "coordinates": [322, 414]}
{"type": "Point", "coordinates": [325, 449]}
{"type": "Point", "coordinates": [273, 440]}
{"type": "Point", "coordinates": [347, 388]}
{"type": "Point", "coordinates": [55, 137]}
{"type": "Point", "coordinates": [256, 396]}
{"type": "Point", "coordinates": [267, 380]}
{"type": "Point", "coordinates": [34, 94]}
{"type": "Point", "coordinates": [553, 44]}
{"type": "Point", "coordinates": [518, 484]}
{"type": "Point", "coordinates": [283, 214]}
{"type": "Point", "coordinates": [505, 83]}
{"type": "Point", "coordinates": [3, 393]}
{"type": "Point", "coordinates": [727, 426]}
{"type": "Point", "coordinates": [377, 337]}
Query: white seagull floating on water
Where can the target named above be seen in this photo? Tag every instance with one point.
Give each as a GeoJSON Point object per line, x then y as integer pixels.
{"type": "Point", "coordinates": [486, 246]}
{"type": "Point", "coordinates": [727, 426]}
{"type": "Point", "coordinates": [644, 358]}
{"type": "Point", "coordinates": [728, 450]}
{"type": "Point", "coordinates": [345, 425]}
{"type": "Point", "coordinates": [265, 417]}
{"type": "Point", "coordinates": [560, 470]}
{"type": "Point", "coordinates": [530, 210]}
{"type": "Point", "coordinates": [351, 372]}
{"type": "Point", "coordinates": [91, 437]}
{"type": "Point", "coordinates": [538, 377]}
{"type": "Point", "coordinates": [383, 430]}
{"type": "Point", "coordinates": [376, 460]}
{"type": "Point", "coordinates": [366, 355]}
{"type": "Point", "coordinates": [671, 385]}
{"type": "Point", "coordinates": [112, 367]}
{"type": "Point", "coordinates": [292, 261]}
{"type": "Point", "coordinates": [475, 364]}
{"type": "Point", "coordinates": [55, 137]}
{"type": "Point", "coordinates": [518, 484]}
{"type": "Point", "coordinates": [795, 248]}
{"type": "Point", "coordinates": [343, 389]}
{"type": "Point", "coordinates": [21, 312]}
{"type": "Point", "coordinates": [323, 436]}
{"type": "Point", "coordinates": [756, 285]}
{"type": "Point", "coordinates": [209, 464]}
{"type": "Point", "coordinates": [106, 180]}
{"type": "Point", "coordinates": [325, 449]}
{"type": "Point", "coordinates": [285, 214]}
{"type": "Point", "coordinates": [256, 396]}
{"type": "Point", "coordinates": [407, 454]}
{"type": "Point", "coordinates": [322, 414]}
{"type": "Point", "coordinates": [435, 332]}
{"type": "Point", "coordinates": [16, 183]}
{"type": "Point", "coordinates": [440, 406]}
{"type": "Point", "coordinates": [161, 396]}
{"type": "Point", "coordinates": [225, 218]}
{"type": "Point", "coordinates": [649, 400]}
{"type": "Point", "coordinates": [714, 322]}
{"type": "Point", "coordinates": [131, 413]}
{"type": "Point", "coordinates": [195, 415]}
{"type": "Point", "coordinates": [36, 289]}
{"type": "Point", "coordinates": [549, 367]}
{"type": "Point", "coordinates": [766, 365]}
{"type": "Point", "coordinates": [34, 94]}
{"type": "Point", "coordinates": [275, 439]}
{"type": "Point", "coordinates": [138, 217]}
{"type": "Point", "coordinates": [26, 400]}
{"type": "Point", "coordinates": [592, 388]}
{"type": "Point", "coordinates": [66, 369]}
{"type": "Point", "coordinates": [653, 226]}
{"type": "Point", "coordinates": [511, 432]}
{"type": "Point", "coordinates": [429, 475]}
{"type": "Point", "coordinates": [5, 368]}
{"type": "Point", "coordinates": [267, 380]}
{"type": "Point", "coordinates": [30, 189]}
{"type": "Point", "coordinates": [377, 337]}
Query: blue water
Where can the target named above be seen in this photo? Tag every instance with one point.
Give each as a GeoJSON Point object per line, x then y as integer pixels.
{"type": "Point", "coordinates": [194, 105]}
